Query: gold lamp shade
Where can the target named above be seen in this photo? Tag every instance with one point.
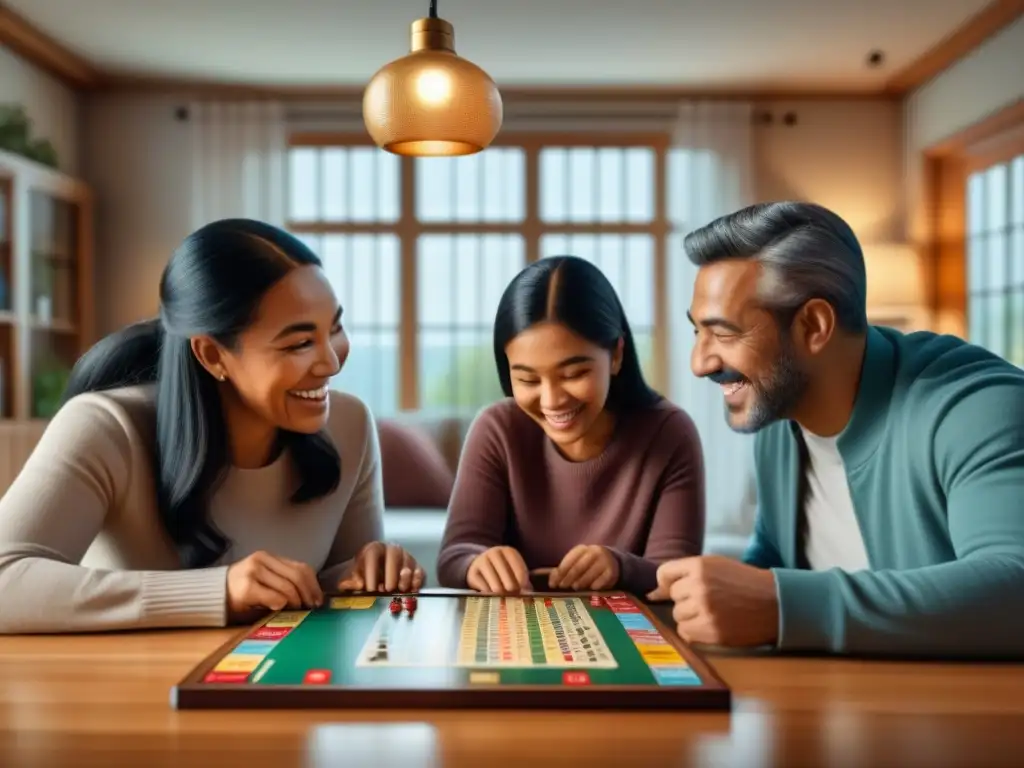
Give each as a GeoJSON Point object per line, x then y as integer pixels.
{"type": "Point", "coordinates": [432, 103]}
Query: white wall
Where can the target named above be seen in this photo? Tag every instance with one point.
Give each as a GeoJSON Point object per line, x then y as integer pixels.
{"type": "Point", "coordinates": [52, 106]}
{"type": "Point", "coordinates": [979, 85]}
{"type": "Point", "coordinates": [845, 155]}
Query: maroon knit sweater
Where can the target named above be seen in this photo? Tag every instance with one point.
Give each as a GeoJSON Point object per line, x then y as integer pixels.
{"type": "Point", "coordinates": [642, 497]}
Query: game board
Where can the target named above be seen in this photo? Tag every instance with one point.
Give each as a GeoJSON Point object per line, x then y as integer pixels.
{"type": "Point", "coordinates": [548, 650]}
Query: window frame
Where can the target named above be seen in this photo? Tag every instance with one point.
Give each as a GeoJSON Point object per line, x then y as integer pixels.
{"type": "Point", "coordinates": [532, 228]}
{"type": "Point", "coordinates": [1005, 149]}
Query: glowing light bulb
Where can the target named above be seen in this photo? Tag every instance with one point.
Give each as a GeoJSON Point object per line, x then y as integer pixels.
{"type": "Point", "coordinates": [434, 87]}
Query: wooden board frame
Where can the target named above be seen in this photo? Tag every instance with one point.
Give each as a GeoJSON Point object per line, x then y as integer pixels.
{"type": "Point", "coordinates": [192, 693]}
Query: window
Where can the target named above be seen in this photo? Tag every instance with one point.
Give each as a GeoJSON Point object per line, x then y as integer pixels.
{"type": "Point", "coordinates": [420, 250]}
{"type": "Point", "coordinates": [363, 270]}
{"type": "Point", "coordinates": [610, 190]}
{"type": "Point", "coordinates": [995, 259]}
{"type": "Point", "coordinates": [460, 280]}
{"type": "Point", "coordinates": [344, 203]}
{"type": "Point", "coordinates": [475, 207]}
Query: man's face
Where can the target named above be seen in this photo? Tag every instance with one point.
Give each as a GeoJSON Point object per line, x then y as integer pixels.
{"type": "Point", "coordinates": [740, 346]}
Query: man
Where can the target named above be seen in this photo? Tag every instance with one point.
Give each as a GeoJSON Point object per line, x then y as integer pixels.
{"type": "Point", "coordinates": [890, 467]}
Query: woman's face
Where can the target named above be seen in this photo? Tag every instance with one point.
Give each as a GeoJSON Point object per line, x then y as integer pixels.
{"type": "Point", "coordinates": [282, 363]}
{"type": "Point", "coordinates": [561, 379]}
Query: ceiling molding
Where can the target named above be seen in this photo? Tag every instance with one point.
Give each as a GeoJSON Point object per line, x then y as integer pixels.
{"type": "Point", "coordinates": [44, 52]}
{"type": "Point", "coordinates": [991, 20]}
{"type": "Point", "coordinates": [968, 141]}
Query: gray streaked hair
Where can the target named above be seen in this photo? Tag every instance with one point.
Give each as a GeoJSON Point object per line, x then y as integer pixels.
{"type": "Point", "coordinates": [807, 251]}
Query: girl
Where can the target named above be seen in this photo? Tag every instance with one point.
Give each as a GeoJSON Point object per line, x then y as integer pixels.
{"type": "Point", "coordinates": [200, 470]}
{"type": "Point", "coordinates": [584, 472]}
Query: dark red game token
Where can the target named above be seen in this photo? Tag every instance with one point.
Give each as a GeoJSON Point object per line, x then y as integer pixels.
{"type": "Point", "coordinates": [396, 607]}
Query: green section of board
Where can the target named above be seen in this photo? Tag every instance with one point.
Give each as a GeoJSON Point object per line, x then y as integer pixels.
{"type": "Point", "coordinates": [423, 650]}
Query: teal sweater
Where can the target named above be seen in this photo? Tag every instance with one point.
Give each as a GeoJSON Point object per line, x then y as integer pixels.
{"type": "Point", "coordinates": [934, 455]}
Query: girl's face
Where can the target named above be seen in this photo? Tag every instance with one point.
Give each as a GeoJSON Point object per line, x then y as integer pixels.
{"type": "Point", "coordinates": [281, 365]}
{"type": "Point", "coordinates": [561, 380]}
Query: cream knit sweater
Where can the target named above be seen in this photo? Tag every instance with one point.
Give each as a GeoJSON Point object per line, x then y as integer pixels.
{"type": "Point", "coordinates": [82, 548]}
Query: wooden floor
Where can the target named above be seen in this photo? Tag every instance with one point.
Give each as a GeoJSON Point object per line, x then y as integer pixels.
{"type": "Point", "coordinates": [103, 700]}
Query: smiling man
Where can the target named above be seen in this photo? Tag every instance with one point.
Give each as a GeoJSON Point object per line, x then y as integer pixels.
{"type": "Point", "coordinates": [890, 467]}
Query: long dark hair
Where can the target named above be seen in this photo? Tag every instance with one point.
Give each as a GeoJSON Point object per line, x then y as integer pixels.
{"type": "Point", "coordinates": [212, 286]}
{"type": "Point", "coordinates": [581, 299]}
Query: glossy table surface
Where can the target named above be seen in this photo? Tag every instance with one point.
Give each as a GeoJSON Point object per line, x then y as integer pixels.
{"type": "Point", "coordinates": [103, 700]}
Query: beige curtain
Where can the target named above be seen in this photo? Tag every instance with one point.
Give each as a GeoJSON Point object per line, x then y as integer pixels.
{"type": "Point", "coordinates": [239, 158]}
{"type": "Point", "coordinates": [711, 173]}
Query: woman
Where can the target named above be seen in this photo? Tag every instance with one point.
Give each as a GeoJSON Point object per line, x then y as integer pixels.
{"type": "Point", "coordinates": [585, 471]}
{"type": "Point", "coordinates": [200, 470]}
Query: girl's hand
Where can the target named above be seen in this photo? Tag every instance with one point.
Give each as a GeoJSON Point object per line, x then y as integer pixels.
{"type": "Point", "coordinates": [499, 571]}
{"type": "Point", "coordinates": [586, 567]}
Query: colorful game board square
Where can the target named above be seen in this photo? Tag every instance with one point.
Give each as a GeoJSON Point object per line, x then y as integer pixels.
{"type": "Point", "coordinates": [352, 603]}
{"type": "Point", "coordinates": [622, 607]}
{"type": "Point", "coordinates": [484, 678]}
{"type": "Point", "coordinates": [660, 655]}
{"type": "Point", "coordinates": [575, 678]}
{"type": "Point", "coordinates": [635, 621]}
{"type": "Point", "coordinates": [237, 662]}
{"type": "Point", "coordinates": [269, 633]}
{"type": "Point", "coordinates": [646, 637]}
{"type": "Point", "coordinates": [287, 619]}
{"type": "Point", "coordinates": [226, 677]}
{"type": "Point", "coordinates": [255, 647]}
{"type": "Point", "coordinates": [675, 676]}
{"type": "Point", "coordinates": [317, 677]}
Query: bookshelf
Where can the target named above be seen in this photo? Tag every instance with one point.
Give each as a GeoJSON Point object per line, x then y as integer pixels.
{"type": "Point", "coordinates": [46, 308]}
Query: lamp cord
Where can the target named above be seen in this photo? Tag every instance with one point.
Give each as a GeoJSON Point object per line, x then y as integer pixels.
{"type": "Point", "coordinates": [433, 9]}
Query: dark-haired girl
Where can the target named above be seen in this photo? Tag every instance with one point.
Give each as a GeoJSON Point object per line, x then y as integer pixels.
{"type": "Point", "coordinates": [200, 471]}
{"type": "Point", "coordinates": [584, 472]}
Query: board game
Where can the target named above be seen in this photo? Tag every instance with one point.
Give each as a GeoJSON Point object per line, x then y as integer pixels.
{"type": "Point", "coordinates": [551, 650]}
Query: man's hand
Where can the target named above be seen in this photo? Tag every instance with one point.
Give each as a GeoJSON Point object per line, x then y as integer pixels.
{"type": "Point", "coordinates": [720, 601]}
{"type": "Point", "coordinates": [381, 567]}
{"type": "Point", "coordinates": [585, 567]}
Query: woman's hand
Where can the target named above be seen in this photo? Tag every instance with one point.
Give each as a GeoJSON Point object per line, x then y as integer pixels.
{"type": "Point", "coordinates": [586, 567]}
{"type": "Point", "coordinates": [265, 581]}
{"type": "Point", "coordinates": [499, 571]}
{"type": "Point", "coordinates": [381, 567]}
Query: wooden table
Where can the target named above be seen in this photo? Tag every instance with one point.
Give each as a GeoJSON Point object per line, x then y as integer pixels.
{"type": "Point", "coordinates": [103, 700]}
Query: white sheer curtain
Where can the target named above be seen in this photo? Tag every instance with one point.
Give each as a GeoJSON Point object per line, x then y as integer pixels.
{"type": "Point", "coordinates": [239, 155]}
{"type": "Point", "coordinates": [711, 173]}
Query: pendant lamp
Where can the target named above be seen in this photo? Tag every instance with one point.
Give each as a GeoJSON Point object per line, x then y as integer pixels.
{"type": "Point", "coordinates": [432, 103]}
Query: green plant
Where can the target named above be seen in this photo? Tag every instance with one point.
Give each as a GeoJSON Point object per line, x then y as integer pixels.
{"type": "Point", "coordinates": [16, 137]}
{"type": "Point", "coordinates": [48, 387]}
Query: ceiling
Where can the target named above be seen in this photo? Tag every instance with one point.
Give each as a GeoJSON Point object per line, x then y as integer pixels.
{"type": "Point", "coordinates": [686, 43]}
